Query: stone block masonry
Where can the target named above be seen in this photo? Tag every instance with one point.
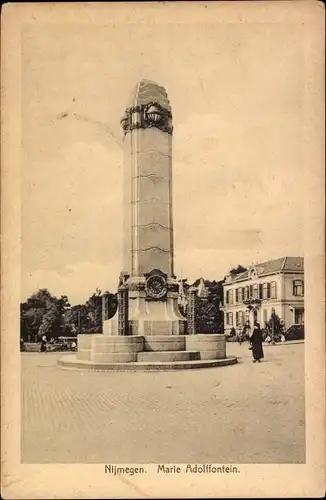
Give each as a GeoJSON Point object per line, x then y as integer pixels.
{"type": "Point", "coordinates": [149, 351]}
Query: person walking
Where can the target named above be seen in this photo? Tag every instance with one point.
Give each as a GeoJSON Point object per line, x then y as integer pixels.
{"type": "Point", "coordinates": [246, 332]}
{"type": "Point", "coordinates": [232, 332]}
{"type": "Point", "coordinates": [256, 342]}
{"type": "Point", "coordinates": [43, 344]}
{"type": "Point", "coordinates": [239, 334]}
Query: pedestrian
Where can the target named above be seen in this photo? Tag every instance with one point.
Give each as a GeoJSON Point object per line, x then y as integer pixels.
{"type": "Point", "coordinates": [246, 332]}
{"type": "Point", "coordinates": [43, 344]}
{"type": "Point", "coordinates": [22, 345]}
{"type": "Point", "coordinates": [256, 343]}
{"type": "Point", "coordinates": [239, 334]}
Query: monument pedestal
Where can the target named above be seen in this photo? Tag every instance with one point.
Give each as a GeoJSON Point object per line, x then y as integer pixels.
{"type": "Point", "coordinates": [146, 306]}
{"type": "Point", "coordinates": [149, 318]}
{"type": "Point", "coordinates": [97, 352]}
{"type": "Point", "coordinates": [155, 318]}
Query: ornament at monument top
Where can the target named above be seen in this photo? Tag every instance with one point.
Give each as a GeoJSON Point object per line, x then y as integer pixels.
{"type": "Point", "coordinates": [123, 280]}
{"type": "Point", "coordinates": [149, 107]}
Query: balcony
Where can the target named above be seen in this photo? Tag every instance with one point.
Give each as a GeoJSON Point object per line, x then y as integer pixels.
{"type": "Point", "coordinates": [252, 302]}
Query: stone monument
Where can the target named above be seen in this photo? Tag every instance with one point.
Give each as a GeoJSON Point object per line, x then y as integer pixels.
{"type": "Point", "coordinates": [150, 302]}
{"type": "Point", "coordinates": [148, 332]}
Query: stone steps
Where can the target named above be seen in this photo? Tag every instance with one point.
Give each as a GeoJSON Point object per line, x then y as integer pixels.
{"type": "Point", "coordinates": [71, 362]}
{"type": "Point", "coordinates": [166, 356]}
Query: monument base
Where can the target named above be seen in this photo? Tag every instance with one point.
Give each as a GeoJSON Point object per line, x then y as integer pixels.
{"type": "Point", "coordinates": [138, 352]}
{"type": "Point", "coordinates": [70, 362]}
{"type": "Point", "coordinates": [149, 318]}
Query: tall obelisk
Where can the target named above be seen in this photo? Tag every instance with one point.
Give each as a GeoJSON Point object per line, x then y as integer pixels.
{"type": "Point", "coordinates": [150, 306]}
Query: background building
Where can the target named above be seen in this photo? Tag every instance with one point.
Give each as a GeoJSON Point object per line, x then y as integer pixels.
{"type": "Point", "coordinates": [277, 284]}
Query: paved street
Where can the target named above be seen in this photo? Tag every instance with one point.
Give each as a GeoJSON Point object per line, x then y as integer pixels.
{"type": "Point", "coordinates": [245, 413]}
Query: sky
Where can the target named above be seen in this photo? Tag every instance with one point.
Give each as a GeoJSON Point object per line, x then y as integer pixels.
{"type": "Point", "coordinates": [236, 92]}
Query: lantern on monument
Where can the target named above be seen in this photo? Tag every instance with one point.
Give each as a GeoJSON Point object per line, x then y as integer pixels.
{"type": "Point", "coordinates": [154, 115]}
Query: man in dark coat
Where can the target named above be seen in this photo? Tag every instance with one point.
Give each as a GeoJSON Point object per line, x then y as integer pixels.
{"type": "Point", "coordinates": [256, 341]}
{"type": "Point", "coordinates": [43, 344]}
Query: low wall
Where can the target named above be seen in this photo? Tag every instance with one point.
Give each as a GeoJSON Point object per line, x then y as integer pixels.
{"type": "Point", "coordinates": [99, 348]}
{"type": "Point", "coordinates": [116, 349]}
{"type": "Point", "coordinates": [84, 344]}
{"type": "Point", "coordinates": [32, 346]}
{"type": "Point", "coordinates": [210, 346]}
{"type": "Point", "coordinates": [117, 344]}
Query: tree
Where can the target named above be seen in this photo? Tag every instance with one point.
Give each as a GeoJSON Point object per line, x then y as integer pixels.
{"type": "Point", "coordinates": [51, 323]}
{"type": "Point", "coordinates": [94, 312]}
{"type": "Point", "coordinates": [87, 318]}
{"type": "Point", "coordinates": [76, 320]}
{"type": "Point", "coordinates": [278, 324]}
{"type": "Point", "coordinates": [238, 270]}
{"type": "Point", "coordinates": [42, 314]}
{"type": "Point", "coordinates": [209, 317]}
{"type": "Point", "coordinates": [53, 320]}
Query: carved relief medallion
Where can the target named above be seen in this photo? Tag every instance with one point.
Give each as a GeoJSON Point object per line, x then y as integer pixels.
{"type": "Point", "coordinates": [156, 286]}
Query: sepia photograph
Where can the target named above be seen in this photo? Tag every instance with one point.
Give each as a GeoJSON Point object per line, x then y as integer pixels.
{"type": "Point", "coordinates": [163, 259]}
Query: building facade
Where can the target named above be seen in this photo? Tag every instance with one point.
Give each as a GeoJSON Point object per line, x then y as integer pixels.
{"type": "Point", "coordinates": [276, 285]}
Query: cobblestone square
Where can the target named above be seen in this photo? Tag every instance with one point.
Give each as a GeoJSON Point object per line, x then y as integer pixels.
{"type": "Point", "coordinates": [245, 413]}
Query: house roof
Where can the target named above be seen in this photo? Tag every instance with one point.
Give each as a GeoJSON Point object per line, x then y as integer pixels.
{"type": "Point", "coordinates": [282, 264]}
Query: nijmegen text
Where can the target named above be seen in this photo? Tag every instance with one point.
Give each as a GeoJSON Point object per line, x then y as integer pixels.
{"type": "Point", "coordinates": [129, 471]}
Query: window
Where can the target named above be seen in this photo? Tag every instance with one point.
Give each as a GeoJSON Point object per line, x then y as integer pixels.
{"type": "Point", "coordinates": [237, 318]}
{"type": "Point", "coordinates": [229, 297]}
{"type": "Point", "coordinates": [240, 294]}
{"type": "Point", "coordinates": [260, 291]}
{"type": "Point", "coordinates": [236, 295]}
{"type": "Point", "coordinates": [247, 315]}
{"type": "Point", "coordinates": [255, 292]}
{"type": "Point", "coordinates": [250, 291]}
{"type": "Point", "coordinates": [246, 293]}
{"type": "Point", "coordinates": [298, 316]}
{"type": "Point", "coordinates": [229, 319]}
{"type": "Point", "coordinates": [298, 288]}
{"type": "Point", "coordinates": [273, 290]}
{"type": "Point", "coordinates": [241, 318]}
{"type": "Point", "coordinates": [265, 291]}
{"type": "Point", "coordinates": [252, 274]}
